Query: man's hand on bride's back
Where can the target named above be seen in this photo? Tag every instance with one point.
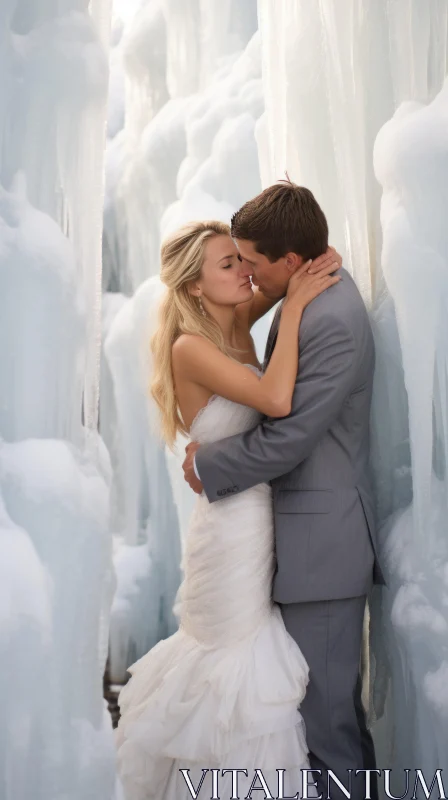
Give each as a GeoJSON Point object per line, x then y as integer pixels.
{"type": "Point", "coordinates": [312, 278]}
{"type": "Point", "coordinates": [188, 468]}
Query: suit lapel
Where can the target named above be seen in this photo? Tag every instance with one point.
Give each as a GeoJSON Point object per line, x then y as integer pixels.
{"type": "Point", "coordinates": [270, 344]}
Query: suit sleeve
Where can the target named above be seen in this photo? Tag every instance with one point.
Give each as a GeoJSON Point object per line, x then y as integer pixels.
{"type": "Point", "coordinates": [327, 369]}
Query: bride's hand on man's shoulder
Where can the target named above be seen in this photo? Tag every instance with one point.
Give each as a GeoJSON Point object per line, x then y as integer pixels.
{"type": "Point", "coordinates": [328, 259]}
{"type": "Point", "coordinates": [311, 279]}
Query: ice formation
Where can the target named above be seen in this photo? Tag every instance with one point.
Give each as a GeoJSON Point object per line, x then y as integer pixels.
{"type": "Point", "coordinates": [411, 163]}
{"type": "Point", "coordinates": [57, 578]}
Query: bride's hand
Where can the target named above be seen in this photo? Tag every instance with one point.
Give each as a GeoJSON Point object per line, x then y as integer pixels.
{"type": "Point", "coordinates": [325, 260]}
{"type": "Point", "coordinates": [311, 279]}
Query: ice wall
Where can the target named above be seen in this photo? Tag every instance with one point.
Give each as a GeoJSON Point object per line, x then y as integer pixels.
{"type": "Point", "coordinates": [334, 73]}
{"type": "Point", "coordinates": [411, 163]}
{"type": "Point", "coordinates": [175, 108]}
{"type": "Point", "coordinates": [55, 549]}
{"type": "Point", "coordinates": [187, 150]}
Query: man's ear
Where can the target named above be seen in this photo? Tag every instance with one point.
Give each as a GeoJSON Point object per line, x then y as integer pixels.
{"type": "Point", "coordinates": [292, 262]}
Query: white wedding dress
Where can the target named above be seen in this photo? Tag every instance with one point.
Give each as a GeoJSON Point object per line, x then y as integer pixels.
{"type": "Point", "coordinates": [223, 691]}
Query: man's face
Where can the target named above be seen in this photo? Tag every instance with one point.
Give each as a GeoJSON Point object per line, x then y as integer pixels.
{"type": "Point", "coordinates": [271, 277]}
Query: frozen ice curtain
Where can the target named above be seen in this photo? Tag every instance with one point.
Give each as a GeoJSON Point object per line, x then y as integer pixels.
{"type": "Point", "coordinates": [56, 573]}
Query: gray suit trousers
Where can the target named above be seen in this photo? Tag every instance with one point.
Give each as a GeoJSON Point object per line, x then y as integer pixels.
{"type": "Point", "coordinates": [329, 634]}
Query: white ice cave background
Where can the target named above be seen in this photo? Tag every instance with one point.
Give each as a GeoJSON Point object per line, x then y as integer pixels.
{"type": "Point", "coordinates": [118, 122]}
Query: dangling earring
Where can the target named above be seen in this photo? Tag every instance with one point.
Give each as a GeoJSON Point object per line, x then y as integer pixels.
{"type": "Point", "coordinates": [203, 312]}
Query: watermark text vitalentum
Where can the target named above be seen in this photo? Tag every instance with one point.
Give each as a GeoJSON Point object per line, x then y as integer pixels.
{"type": "Point", "coordinates": [239, 784]}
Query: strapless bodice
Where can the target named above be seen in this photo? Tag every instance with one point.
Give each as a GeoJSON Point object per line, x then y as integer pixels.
{"type": "Point", "coordinates": [221, 418]}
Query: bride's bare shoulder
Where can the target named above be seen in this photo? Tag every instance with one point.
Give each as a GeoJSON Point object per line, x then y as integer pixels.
{"type": "Point", "coordinates": [190, 348]}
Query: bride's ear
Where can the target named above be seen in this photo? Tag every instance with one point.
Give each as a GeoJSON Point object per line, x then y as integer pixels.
{"type": "Point", "coordinates": [194, 290]}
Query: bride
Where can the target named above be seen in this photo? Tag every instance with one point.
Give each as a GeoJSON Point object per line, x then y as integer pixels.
{"type": "Point", "coordinates": [223, 692]}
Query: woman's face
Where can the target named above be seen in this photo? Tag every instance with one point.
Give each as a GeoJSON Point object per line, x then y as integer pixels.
{"type": "Point", "coordinates": [224, 281]}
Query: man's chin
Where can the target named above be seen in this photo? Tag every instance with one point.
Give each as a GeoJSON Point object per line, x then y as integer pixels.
{"type": "Point", "coordinates": [269, 294]}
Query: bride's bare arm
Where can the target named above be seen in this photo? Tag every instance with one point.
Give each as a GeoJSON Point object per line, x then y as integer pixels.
{"type": "Point", "coordinates": [253, 310]}
{"type": "Point", "coordinates": [199, 361]}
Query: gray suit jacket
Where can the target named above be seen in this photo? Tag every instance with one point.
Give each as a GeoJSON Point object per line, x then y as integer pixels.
{"type": "Point", "coordinates": [316, 459]}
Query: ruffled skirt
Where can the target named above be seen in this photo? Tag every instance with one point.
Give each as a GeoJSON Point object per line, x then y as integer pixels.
{"type": "Point", "coordinates": [218, 697]}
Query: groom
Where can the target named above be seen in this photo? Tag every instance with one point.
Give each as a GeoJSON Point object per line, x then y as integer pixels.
{"type": "Point", "coordinates": [316, 460]}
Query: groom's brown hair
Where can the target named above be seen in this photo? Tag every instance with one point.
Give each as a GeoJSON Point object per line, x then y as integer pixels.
{"type": "Point", "coordinates": [284, 218]}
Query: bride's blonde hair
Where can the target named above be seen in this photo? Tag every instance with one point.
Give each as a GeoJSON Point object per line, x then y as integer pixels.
{"type": "Point", "coordinates": [182, 258]}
